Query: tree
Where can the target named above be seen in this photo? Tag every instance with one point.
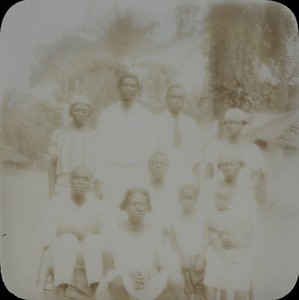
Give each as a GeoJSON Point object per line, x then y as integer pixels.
{"type": "Point", "coordinates": [27, 126]}
{"type": "Point", "coordinates": [252, 52]}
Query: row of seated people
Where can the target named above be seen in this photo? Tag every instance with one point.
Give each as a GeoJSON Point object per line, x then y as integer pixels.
{"type": "Point", "coordinates": [152, 253]}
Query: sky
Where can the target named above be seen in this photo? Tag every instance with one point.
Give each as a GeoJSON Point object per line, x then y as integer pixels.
{"type": "Point", "coordinates": [32, 25]}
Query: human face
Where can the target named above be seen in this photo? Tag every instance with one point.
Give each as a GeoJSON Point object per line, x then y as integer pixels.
{"type": "Point", "coordinates": [128, 89]}
{"type": "Point", "coordinates": [81, 180]}
{"type": "Point", "coordinates": [230, 169]}
{"type": "Point", "coordinates": [187, 203]}
{"type": "Point", "coordinates": [175, 100]}
{"type": "Point", "coordinates": [228, 239]}
{"type": "Point", "coordinates": [80, 113]}
{"type": "Point", "coordinates": [159, 166]}
{"type": "Point", "coordinates": [232, 128]}
{"type": "Point", "coordinates": [137, 207]}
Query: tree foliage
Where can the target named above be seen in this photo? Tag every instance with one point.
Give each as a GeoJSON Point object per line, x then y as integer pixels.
{"type": "Point", "coordinates": [27, 125]}
{"type": "Point", "coordinates": [252, 53]}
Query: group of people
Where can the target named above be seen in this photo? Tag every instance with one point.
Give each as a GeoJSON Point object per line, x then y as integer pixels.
{"type": "Point", "coordinates": [138, 210]}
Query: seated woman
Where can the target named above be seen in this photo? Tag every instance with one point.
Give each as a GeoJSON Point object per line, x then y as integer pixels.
{"type": "Point", "coordinates": [131, 252]}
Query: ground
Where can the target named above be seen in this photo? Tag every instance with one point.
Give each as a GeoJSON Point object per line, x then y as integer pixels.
{"type": "Point", "coordinates": [24, 194]}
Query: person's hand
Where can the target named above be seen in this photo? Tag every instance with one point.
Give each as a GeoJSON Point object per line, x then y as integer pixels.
{"type": "Point", "coordinates": [227, 243]}
{"type": "Point", "coordinates": [169, 232]}
{"type": "Point", "coordinates": [186, 263]}
{"type": "Point", "coordinates": [139, 280]}
{"type": "Point", "coordinates": [199, 263]}
{"type": "Point", "coordinates": [211, 225]}
{"type": "Point", "coordinates": [165, 231]}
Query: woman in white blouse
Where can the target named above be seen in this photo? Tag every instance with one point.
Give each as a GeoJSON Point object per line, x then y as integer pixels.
{"type": "Point", "coordinates": [131, 256]}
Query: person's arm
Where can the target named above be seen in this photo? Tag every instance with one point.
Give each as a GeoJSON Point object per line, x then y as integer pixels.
{"type": "Point", "coordinates": [212, 239]}
{"type": "Point", "coordinates": [196, 172]}
{"type": "Point", "coordinates": [206, 237]}
{"type": "Point", "coordinates": [52, 175]}
{"type": "Point", "coordinates": [49, 224]}
{"type": "Point", "coordinates": [258, 174]}
{"type": "Point", "coordinates": [107, 249]}
{"type": "Point", "coordinates": [98, 189]}
{"type": "Point", "coordinates": [209, 170]}
{"type": "Point", "coordinates": [184, 259]}
{"type": "Point", "coordinates": [259, 185]}
{"type": "Point", "coordinates": [107, 257]}
{"type": "Point", "coordinates": [102, 139]}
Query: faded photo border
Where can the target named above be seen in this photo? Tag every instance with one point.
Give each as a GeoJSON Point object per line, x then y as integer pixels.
{"type": "Point", "coordinates": [52, 49]}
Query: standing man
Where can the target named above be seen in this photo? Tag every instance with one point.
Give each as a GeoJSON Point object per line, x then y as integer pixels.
{"type": "Point", "coordinates": [178, 134]}
{"type": "Point", "coordinates": [124, 141]}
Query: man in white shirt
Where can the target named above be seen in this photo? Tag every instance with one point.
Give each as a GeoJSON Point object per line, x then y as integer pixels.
{"type": "Point", "coordinates": [71, 233]}
{"type": "Point", "coordinates": [124, 141]}
{"type": "Point", "coordinates": [177, 134]}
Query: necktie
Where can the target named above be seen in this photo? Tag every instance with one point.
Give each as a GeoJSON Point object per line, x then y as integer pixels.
{"type": "Point", "coordinates": [177, 137]}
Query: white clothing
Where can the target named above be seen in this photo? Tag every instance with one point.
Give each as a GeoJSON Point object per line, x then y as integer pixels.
{"type": "Point", "coordinates": [73, 236]}
{"type": "Point", "coordinates": [63, 216]}
{"type": "Point", "coordinates": [72, 148]}
{"type": "Point", "coordinates": [237, 272]}
{"type": "Point", "coordinates": [164, 203]}
{"type": "Point", "coordinates": [249, 153]}
{"type": "Point", "coordinates": [164, 200]}
{"type": "Point", "coordinates": [188, 154]}
{"type": "Point", "coordinates": [189, 233]}
{"type": "Point", "coordinates": [124, 143]}
{"type": "Point", "coordinates": [232, 276]}
{"type": "Point", "coordinates": [133, 251]}
{"type": "Point", "coordinates": [66, 252]}
{"type": "Point", "coordinates": [151, 291]}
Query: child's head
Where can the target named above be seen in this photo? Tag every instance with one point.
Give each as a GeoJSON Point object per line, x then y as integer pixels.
{"type": "Point", "coordinates": [223, 198]}
{"type": "Point", "coordinates": [188, 197]}
{"type": "Point", "coordinates": [158, 165]}
{"type": "Point", "coordinates": [230, 163]}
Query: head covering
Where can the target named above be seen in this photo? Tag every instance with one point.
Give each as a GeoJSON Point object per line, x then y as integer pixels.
{"type": "Point", "coordinates": [236, 114]}
{"type": "Point", "coordinates": [80, 99]}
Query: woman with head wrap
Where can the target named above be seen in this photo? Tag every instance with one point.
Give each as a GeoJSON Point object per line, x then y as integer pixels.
{"type": "Point", "coordinates": [71, 146]}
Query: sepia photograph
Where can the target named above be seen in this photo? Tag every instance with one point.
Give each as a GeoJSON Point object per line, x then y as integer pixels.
{"type": "Point", "coordinates": [149, 150]}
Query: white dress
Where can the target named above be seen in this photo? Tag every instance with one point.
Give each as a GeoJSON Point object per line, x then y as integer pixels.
{"type": "Point", "coordinates": [235, 274]}
{"type": "Point", "coordinates": [133, 251]}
